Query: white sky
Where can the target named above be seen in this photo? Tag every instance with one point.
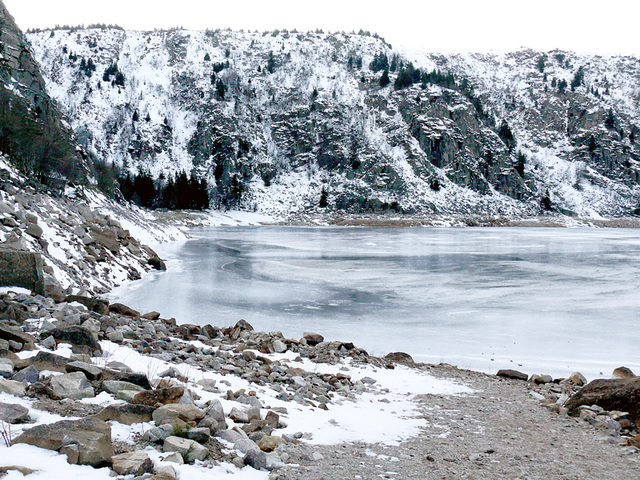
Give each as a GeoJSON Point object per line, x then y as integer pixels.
{"type": "Point", "coordinates": [440, 25]}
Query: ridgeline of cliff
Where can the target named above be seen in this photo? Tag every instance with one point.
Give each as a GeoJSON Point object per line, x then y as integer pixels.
{"type": "Point", "coordinates": [287, 122]}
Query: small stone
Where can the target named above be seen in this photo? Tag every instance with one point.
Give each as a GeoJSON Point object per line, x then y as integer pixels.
{"type": "Point", "coordinates": [577, 379]}
{"type": "Point", "coordinates": [158, 434]}
{"type": "Point", "coordinates": [515, 374]}
{"type": "Point", "coordinates": [34, 230]}
{"type": "Point", "coordinates": [27, 375]}
{"type": "Point", "coordinates": [238, 462]}
{"type": "Point", "coordinates": [269, 443]}
{"type": "Point", "coordinates": [166, 472]}
{"type": "Point", "coordinates": [116, 336]}
{"type": "Point", "coordinates": [174, 457]}
{"type": "Point", "coordinates": [256, 459]}
{"type": "Point", "coordinates": [200, 435]}
{"type": "Point", "coordinates": [317, 456]}
{"type": "Point", "coordinates": [239, 416]}
{"type": "Point", "coordinates": [132, 463]}
{"type": "Point", "coordinates": [159, 396]}
{"type": "Point", "coordinates": [91, 371]}
{"type": "Point", "coordinates": [126, 413]}
{"type": "Point", "coordinates": [189, 449]}
{"type": "Point", "coordinates": [187, 413]}
{"type": "Point", "coordinates": [279, 346]}
{"type": "Point", "coordinates": [6, 368]}
{"type": "Point", "coordinates": [215, 411]}
{"type": "Point", "coordinates": [72, 385]}
{"type": "Point", "coordinates": [12, 413]}
{"type": "Point", "coordinates": [49, 343]}
{"type": "Point", "coordinates": [622, 372]}
{"type": "Point", "coordinates": [12, 388]}
{"type": "Point", "coordinates": [115, 386]}
{"type": "Point", "coordinates": [312, 339]}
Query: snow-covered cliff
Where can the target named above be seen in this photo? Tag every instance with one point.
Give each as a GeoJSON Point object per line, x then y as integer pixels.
{"type": "Point", "coordinates": [274, 119]}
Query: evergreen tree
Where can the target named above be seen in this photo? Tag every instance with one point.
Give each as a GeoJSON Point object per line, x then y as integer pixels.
{"type": "Point", "coordinates": [324, 201]}
{"type": "Point", "coordinates": [610, 121]}
{"type": "Point", "coordinates": [578, 79]}
{"type": "Point", "coordinates": [221, 88]}
{"type": "Point", "coordinates": [271, 63]}
{"type": "Point", "coordinates": [379, 62]}
{"type": "Point", "coordinates": [562, 86]}
{"type": "Point", "coordinates": [384, 79]}
{"type": "Point", "coordinates": [506, 135]}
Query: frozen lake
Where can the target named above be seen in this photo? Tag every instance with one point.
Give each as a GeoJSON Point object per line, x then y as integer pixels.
{"type": "Point", "coordinates": [539, 300]}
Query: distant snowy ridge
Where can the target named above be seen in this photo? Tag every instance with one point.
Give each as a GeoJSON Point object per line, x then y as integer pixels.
{"type": "Point", "coordinates": [284, 122]}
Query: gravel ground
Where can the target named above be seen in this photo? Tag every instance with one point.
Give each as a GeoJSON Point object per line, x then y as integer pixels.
{"type": "Point", "coordinates": [500, 431]}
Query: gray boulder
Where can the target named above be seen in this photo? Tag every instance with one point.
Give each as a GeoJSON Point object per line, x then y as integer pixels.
{"type": "Point", "coordinates": [6, 368]}
{"type": "Point", "coordinates": [80, 338]}
{"type": "Point", "coordinates": [126, 413]}
{"type": "Point", "coordinates": [12, 413]}
{"type": "Point", "coordinates": [72, 385]}
{"type": "Point", "coordinates": [91, 371]}
{"type": "Point", "coordinates": [115, 386]}
{"type": "Point", "coordinates": [189, 449]}
{"type": "Point", "coordinates": [27, 375]}
{"type": "Point", "coordinates": [132, 463]}
{"type": "Point", "coordinates": [158, 434]}
{"type": "Point", "coordinates": [12, 388]}
{"type": "Point", "coordinates": [92, 437]}
{"type": "Point", "coordinates": [187, 413]}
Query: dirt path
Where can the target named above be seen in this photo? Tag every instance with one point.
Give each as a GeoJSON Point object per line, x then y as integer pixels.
{"type": "Point", "coordinates": [499, 432]}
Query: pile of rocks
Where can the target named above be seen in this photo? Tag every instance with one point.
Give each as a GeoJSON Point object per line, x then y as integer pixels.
{"type": "Point", "coordinates": [183, 431]}
{"type": "Point", "coordinates": [85, 248]}
{"type": "Point", "coordinates": [610, 405]}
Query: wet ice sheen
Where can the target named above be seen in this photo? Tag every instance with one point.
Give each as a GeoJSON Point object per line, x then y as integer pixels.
{"type": "Point", "coordinates": [540, 300]}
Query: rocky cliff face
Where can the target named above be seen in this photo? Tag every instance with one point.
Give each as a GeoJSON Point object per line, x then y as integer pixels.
{"type": "Point", "coordinates": [282, 121]}
{"type": "Point", "coordinates": [32, 131]}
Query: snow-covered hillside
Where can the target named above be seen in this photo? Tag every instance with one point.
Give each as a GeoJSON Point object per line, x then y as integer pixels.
{"type": "Point", "coordinates": [274, 119]}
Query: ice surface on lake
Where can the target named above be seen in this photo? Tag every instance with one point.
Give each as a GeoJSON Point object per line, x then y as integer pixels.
{"type": "Point", "coordinates": [539, 300]}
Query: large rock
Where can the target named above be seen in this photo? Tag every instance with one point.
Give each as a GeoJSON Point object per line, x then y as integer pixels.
{"type": "Point", "coordinates": [98, 305]}
{"type": "Point", "coordinates": [6, 368]}
{"type": "Point", "coordinates": [92, 436]}
{"type": "Point", "coordinates": [515, 374]}
{"type": "Point", "coordinates": [12, 413]}
{"type": "Point", "coordinates": [106, 238]}
{"type": "Point", "coordinates": [91, 371]}
{"type": "Point", "coordinates": [623, 372]}
{"type": "Point", "coordinates": [256, 459]}
{"type": "Point", "coordinates": [139, 379]}
{"type": "Point", "coordinates": [313, 339]}
{"type": "Point", "coordinates": [72, 385]}
{"type": "Point", "coordinates": [159, 396]}
{"type": "Point", "coordinates": [617, 394]}
{"type": "Point", "coordinates": [49, 361]}
{"type": "Point", "coordinates": [189, 449]}
{"type": "Point", "coordinates": [12, 388]}
{"type": "Point", "coordinates": [126, 413]}
{"type": "Point", "coordinates": [121, 309]}
{"type": "Point", "coordinates": [399, 357]}
{"type": "Point", "coordinates": [132, 463]}
{"type": "Point", "coordinates": [27, 375]}
{"type": "Point", "coordinates": [16, 335]}
{"type": "Point", "coordinates": [79, 337]}
{"type": "Point", "coordinates": [187, 413]}
{"type": "Point", "coordinates": [21, 269]}
{"type": "Point", "coordinates": [116, 386]}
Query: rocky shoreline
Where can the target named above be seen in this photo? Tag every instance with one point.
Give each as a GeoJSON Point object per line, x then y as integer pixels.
{"type": "Point", "coordinates": [64, 359]}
